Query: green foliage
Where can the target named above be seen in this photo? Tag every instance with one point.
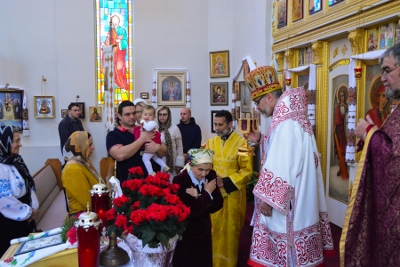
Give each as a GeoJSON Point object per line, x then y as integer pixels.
{"type": "Point", "coordinates": [250, 186]}
{"type": "Point", "coordinates": [69, 222]}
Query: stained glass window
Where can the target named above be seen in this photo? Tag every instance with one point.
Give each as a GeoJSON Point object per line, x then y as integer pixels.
{"type": "Point", "coordinates": [114, 27]}
{"type": "Point", "coordinates": [332, 2]}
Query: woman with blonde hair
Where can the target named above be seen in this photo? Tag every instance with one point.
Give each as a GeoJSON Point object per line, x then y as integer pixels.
{"type": "Point", "coordinates": [172, 138]}
{"type": "Point", "coordinates": [79, 175]}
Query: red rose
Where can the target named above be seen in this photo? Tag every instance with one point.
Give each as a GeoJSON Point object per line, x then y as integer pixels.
{"type": "Point", "coordinates": [71, 234]}
{"type": "Point", "coordinates": [138, 216]}
{"type": "Point", "coordinates": [120, 201]}
{"type": "Point", "coordinates": [150, 190]}
{"type": "Point", "coordinates": [162, 176]}
{"type": "Point", "coordinates": [136, 170]}
{"type": "Point", "coordinates": [156, 212]}
{"type": "Point", "coordinates": [183, 212]}
{"type": "Point", "coordinates": [174, 210]}
{"type": "Point", "coordinates": [166, 191]}
{"type": "Point", "coordinates": [128, 229]}
{"type": "Point", "coordinates": [120, 221]}
{"type": "Point", "coordinates": [154, 180]}
{"type": "Point", "coordinates": [136, 205]}
{"type": "Point", "coordinates": [174, 187]}
{"type": "Point", "coordinates": [110, 214]}
{"type": "Point", "coordinates": [133, 184]}
{"type": "Point", "coordinates": [173, 199]}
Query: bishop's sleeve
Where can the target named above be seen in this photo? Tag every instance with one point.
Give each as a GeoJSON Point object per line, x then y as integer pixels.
{"type": "Point", "coordinates": [282, 165]}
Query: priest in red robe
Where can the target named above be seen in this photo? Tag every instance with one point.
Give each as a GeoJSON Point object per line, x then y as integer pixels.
{"type": "Point", "coordinates": [371, 232]}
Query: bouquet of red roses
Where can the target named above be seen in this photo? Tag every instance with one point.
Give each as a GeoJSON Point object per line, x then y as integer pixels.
{"type": "Point", "coordinates": [149, 209]}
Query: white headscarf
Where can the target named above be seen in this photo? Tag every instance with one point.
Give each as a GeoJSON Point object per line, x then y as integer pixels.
{"type": "Point", "coordinates": [198, 156]}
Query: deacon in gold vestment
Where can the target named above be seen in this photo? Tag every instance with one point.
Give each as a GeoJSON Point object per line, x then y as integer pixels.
{"type": "Point", "coordinates": [233, 173]}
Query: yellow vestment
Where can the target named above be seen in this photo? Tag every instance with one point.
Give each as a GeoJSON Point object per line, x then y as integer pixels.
{"type": "Point", "coordinates": [227, 223]}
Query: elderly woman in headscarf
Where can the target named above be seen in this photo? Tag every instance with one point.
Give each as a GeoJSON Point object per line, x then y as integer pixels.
{"type": "Point", "coordinates": [18, 201]}
{"type": "Point", "coordinates": [198, 191]}
{"type": "Point", "coordinates": [79, 175]}
{"type": "Point", "coordinates": [172, 138]}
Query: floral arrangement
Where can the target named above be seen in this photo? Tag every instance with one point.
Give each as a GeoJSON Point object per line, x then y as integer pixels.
{"type": "Point", "coordinates": [68, 231]}
{"type": "Point", "coordinates": [149, 209]}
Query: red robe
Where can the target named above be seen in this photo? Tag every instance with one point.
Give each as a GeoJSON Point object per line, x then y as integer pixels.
{"type": "Point", "coordinates": [340, 128]}
{"type": "Point", "coordinates": [374, 114]}
{"type": "Point", "coordinates": [120, 78]}
{"type": "Point", "coordinates": [371, 232]}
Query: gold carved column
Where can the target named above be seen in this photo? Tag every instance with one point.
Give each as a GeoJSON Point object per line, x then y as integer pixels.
{"type": "Point", "coordinates": [290, 58]}
{"type": "Point", "coordinates": [290, 61]}
{"type": "Point", "coordinates": [320, 51]}
{"type": "Point", "coordinates": [279, 57]}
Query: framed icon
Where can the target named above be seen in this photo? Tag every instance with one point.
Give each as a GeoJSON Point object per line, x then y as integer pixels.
{"type": "Point", "coordinates": [11, 108]}
{"type": "Point", "coordinates": [64, 112]}
{"type": "Point", "coordinates": [219, 94]}
{"type": "Point", "coordinates": [219, 64]}
{"type": "Point", "coordinates": [44, 107]}
{"type": "Point", "coordinates": [95, 114]}
{"type": "Point", "coordinates": [171, 87]}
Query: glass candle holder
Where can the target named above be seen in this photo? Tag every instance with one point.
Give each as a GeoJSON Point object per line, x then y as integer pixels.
{"type": "Point", "coordinates": [88, 234]}
{"type": "Point", "coordinates": [100, 201]}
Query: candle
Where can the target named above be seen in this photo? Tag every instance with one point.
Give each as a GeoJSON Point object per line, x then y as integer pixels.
{"type": "Point", "coordinates": [100, 201]}
{"type": "Point", "coordinates": [88, 235]}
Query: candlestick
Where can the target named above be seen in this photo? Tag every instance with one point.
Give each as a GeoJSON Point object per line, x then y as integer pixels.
{"type": "Point", "coordinates": [244, 127]}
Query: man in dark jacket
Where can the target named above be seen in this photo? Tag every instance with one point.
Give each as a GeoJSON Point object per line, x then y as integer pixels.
{"type": "Point", "coordinates": [190, 131]}
{"type": "Point", "coordinates": [70, 124]}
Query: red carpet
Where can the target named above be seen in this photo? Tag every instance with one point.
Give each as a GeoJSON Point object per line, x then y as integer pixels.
{"type": "Point", "coordinates": [247, 231]}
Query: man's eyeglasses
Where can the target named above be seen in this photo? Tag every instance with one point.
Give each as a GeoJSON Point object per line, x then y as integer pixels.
{"type": "Point", "coordinates": [257, 102]}
{"type": "Point", "coordinates": [162, 114]}
{"type": "Point", "coordinates": [386, 72]}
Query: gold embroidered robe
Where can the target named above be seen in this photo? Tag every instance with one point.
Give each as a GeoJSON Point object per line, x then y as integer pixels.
{"type": "Point", "coordinates": [227, 223]}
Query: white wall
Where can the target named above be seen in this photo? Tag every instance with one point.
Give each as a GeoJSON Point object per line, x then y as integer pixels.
{"type": "Point", "coordinates": [56, 39]}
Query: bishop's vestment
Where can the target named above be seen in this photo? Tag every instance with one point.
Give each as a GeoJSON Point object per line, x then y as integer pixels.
{"type": "Point", "coordinates": [290, 181]}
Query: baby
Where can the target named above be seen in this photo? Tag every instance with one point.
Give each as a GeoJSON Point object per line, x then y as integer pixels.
{"type": "Point", "coordinates": [148, 124]}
